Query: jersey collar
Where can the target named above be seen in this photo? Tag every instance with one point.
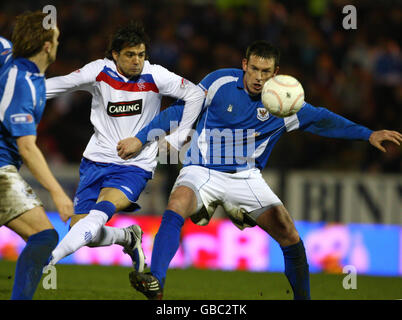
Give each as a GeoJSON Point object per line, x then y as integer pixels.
{"type": "Point", "coordinates": [27, 65]}
{"type": "Point", "coordinates": [240, 83]}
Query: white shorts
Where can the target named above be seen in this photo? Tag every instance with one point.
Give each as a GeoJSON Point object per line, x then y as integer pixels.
{"type": "Point", "coordinates": [243, 195]}
{"type": "Point", "coordinates": [16, 196]}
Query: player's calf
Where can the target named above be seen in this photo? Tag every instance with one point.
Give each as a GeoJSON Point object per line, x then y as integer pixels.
{"type": "Point", "coordinates": [31, 262]}
{"type": "Point", "coordinates": [84, 231]}
{"type": "Point", "coordinates": [278, 223]}
{"type": "Point", "coordinates": [297, 270]}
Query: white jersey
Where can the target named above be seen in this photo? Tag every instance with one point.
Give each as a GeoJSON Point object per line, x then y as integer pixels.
{"type": "Point", "coordinates": [121, 107]}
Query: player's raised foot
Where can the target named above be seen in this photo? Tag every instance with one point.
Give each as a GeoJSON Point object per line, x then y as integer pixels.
{"type": "Point", "coordinates": [147, 284]}
{"type": "Point", "coordinates": [134, 249]}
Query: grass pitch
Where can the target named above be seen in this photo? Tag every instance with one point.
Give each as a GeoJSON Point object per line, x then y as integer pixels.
{"type": "Point", "coordinates": [78, 282]}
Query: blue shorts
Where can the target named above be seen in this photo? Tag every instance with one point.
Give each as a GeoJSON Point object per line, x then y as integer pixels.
{"type": "Point", "coordinates": [94, 176]}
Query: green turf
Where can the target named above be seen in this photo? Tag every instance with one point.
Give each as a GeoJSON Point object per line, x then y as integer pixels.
{"type": "Point", "coordinates": [111, 283]}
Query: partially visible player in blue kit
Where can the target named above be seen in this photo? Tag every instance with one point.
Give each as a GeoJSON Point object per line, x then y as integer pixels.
{"type": "Point", "coordinates": [22, 101]}
{"type": "Point", "coordinates": [228, 173]}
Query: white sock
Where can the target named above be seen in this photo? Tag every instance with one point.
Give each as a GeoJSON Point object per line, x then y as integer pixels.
{"type": "Point", "coordinates": [110, 235]}
{"type": "Point", "coordinates": [80, 235]}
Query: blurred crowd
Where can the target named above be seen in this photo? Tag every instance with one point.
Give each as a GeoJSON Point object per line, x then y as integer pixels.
{"type": "Point", "coordinates": [356, 73]}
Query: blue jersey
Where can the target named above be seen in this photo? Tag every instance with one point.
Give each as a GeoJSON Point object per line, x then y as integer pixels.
{"type": "Point", "coordinates": [235, 132]}
{"type": "Point", "coordinates": [22, 101]}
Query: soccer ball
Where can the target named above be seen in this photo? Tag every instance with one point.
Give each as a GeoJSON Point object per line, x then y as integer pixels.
{"type": "Point", "coordinates": [282, 95]}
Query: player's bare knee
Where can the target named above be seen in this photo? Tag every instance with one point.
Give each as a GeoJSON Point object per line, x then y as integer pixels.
{"type": "Point", "coordinates": [277, 222]}
{"type": "Point", "coordinates": [115, 196]}
{"type": "Point", "coordinates": [182, 201]}
{"type": "Point", "coordinates": [76, 218]}
{"type": "Point", "coordinates": [30, 222]}
{"type": "Point", "coordinates": [178, 205]}
{"type": "Point", "coordinates": [290, 236]}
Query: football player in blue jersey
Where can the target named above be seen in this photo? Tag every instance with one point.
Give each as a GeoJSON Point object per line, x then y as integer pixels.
{"type": "Point", "coordinates": [22, 101]}
{"type": "Point", "coordinates": [215, 175]}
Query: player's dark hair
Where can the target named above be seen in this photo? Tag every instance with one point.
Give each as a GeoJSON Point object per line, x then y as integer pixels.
{"type": "Point", "coordinates": [263, 49]}
{"type": "Point", "coordinates": [29, 35]}
{"type": "Point", "coordinates": [130, 35]}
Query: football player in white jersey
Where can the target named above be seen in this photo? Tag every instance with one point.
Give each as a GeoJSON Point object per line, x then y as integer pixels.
{"type": "Point", "coordinates": [126, 95]}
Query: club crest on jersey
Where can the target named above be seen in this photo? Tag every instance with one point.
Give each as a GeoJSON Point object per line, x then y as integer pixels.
{"type": "Point", "coordinates": [184, 83]}
{"type": "Point", "coordinates": [141, 84]}
{"type": "Point", "coordinates": [126, 108]}
{"type": "Point", "coordinates": [262, 114]}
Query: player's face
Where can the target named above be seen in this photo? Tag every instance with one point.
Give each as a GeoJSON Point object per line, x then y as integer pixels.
{"type": "Point", "coordinates": [257, 71]}
{"type": "Point", "coordinates": [53, 46]}
{"type": "Point", "coordinates": [130, 60]}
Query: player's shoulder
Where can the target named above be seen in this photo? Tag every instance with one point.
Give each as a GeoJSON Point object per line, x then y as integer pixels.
{"type": "Point", "coordinates": [19, 87]}
{"type": "Point", "coordinates": [226, 72]}
{"type": "Point", "coordinates": [26, 70]}
{"type": "Point", "coordinates": [5, 51]}
{"type": "Point", "coordinates": [5, 45]}
{"type": "Point", "coordinates": [220, 77]}
{"type": "Point", "coordinates": [157, 71]}
{"type": "Point", "coordinates": [220, 73]}
{"type": "Point", "coordinates": [23, 80]}
{"type": "Point", "coordinates": [159, 74]}
{"type": "Point", "coordinates": [100, 63]}
{"type": "Point", "coordinates": [152, 67]}
{"type": "Point", "coordinates": [105, 62]}
{"type": "Point", "coordinates": [95, 66]}
{"type": "Point", "coordinates": [16, 78]}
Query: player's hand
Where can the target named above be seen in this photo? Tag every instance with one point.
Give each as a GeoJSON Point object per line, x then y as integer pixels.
{"type": "Point", "coordinates": [63, 204]}
{"type": "Point", "coordinates": [128, 148]}
{"type": "Point", "coordinates": [378, 137]}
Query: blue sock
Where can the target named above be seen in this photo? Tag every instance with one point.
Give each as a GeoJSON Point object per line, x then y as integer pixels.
{"type": "Point", "coordinates": [297, 270]}
{"type": "Point", "coordinates": [105, 206]}
{"type": "Point", "coordinates": [31, 262]}
{"type": "Point", "coordinates": [166, 243]}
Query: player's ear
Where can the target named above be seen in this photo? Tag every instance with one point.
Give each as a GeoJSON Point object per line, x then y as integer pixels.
{"type": "Point", "coordinates": [244, 64]}
{"type": "Point", "coordinates": [115, 55]}
{"type": "Point", "coordinates": [47, 47]}
{"type": "Point", "coordinates": [276, 70]}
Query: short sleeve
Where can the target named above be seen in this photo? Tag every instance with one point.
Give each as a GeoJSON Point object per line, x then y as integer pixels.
{"type": "Point", "coordinates": [19, 118]}
{"type": "Point", "coordinates": [169, 83]}
{"type": "Point", "coordinates": [5, 50]}
{"type": "Point", "coordinates": [80, 79]}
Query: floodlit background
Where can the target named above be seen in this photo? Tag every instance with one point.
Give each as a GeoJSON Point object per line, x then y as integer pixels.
{"type": "Point", "coordinates": [344, 195]}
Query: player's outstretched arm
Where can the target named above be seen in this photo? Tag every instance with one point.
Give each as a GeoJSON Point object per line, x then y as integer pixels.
{"type": "Point", "coordinates": [378, 137]}
{"type": "Point", "coordinates": [36, 163]}
{"type": "Point", "coordinates": [325, 123]}
{"type": "Point", "coordinates": [80, 79]}
{"type": "Point", "coordinates": [130, 147]}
